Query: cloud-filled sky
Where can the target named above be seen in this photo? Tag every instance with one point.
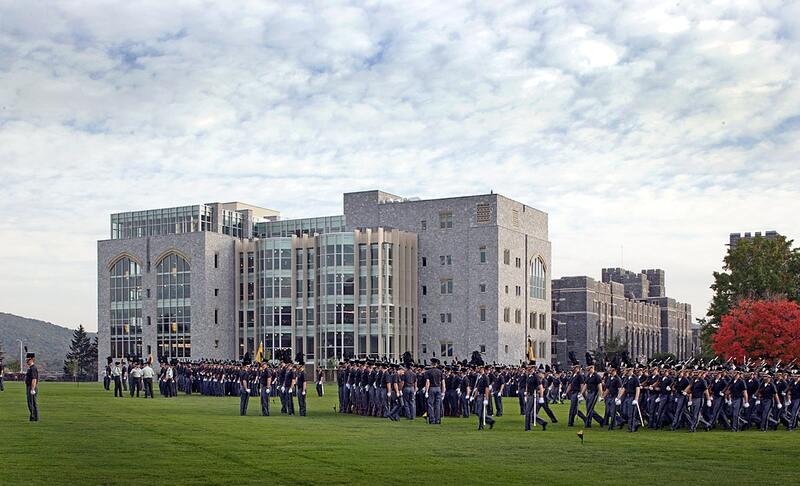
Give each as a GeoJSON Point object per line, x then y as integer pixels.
{"type": "Point", "coordinates": [648, 131]}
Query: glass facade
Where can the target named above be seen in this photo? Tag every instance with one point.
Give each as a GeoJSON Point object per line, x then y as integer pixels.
{"type": "Point", "coordinates": [173, 293]}
{"type": "Point", "coordinates": [275, 299]}
{"type": "Point", "coordinates": [336, 303]}
{"type": "Point", "coordinates": [298, 227]}
{"type": "Point", "coordinates": [232, 223]}
{"type": "Point", "coordinates": [126, 308]}
{"type": "Point", "coordinates": [184, 219]}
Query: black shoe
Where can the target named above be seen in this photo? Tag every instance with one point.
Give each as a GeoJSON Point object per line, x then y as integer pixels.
{"type": "Point", "coordinates": [491, 425]}
{"type": "Point", "coordinates": [544, 426]}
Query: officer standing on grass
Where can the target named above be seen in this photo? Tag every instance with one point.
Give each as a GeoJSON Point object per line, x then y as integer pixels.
{"type": "Point", "coordinates": [433, 392]}
{"type": "Point", "coordinates": [116, 375]}
{"type": "Point", "coordinates": [301, 386]}
{"type": "Point", "coordinates": [31, 386]}
{"type": "Point", "coordinates": [244, 387]}
{"type": "Point", "coordinates": [482, 394]}
{"type": "Point", "coordinates": [266, 385]}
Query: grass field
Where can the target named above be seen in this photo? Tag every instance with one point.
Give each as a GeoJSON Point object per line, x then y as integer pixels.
{"type": "Point", "coordinates": [85, 436]}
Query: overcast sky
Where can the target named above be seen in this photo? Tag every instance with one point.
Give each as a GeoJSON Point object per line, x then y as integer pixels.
{"type": "Point", "coordinates": [647, 131]}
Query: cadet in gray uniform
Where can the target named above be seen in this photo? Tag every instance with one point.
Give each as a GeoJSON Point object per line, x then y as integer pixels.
{"type": "Point", "coordinates": [433, 392]}
{"type": "Point", "coordinates": [31, 386]}
{"type": "Point", "coordinates": [2, 370]}
{"type": "Point", "coordinates": [244, 388]}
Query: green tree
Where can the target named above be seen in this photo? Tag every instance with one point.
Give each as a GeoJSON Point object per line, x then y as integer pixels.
{"type": "Point", "coordinates": [755, 269]}
{"type": "Point", "coordinates": [80, 351]}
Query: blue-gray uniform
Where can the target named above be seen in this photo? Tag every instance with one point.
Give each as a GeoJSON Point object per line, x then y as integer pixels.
{"type": "Point", "coordinates": [593, 385]}
{"type": "Point", "coordinates": [244, 391]}
{"type": "Point", "coordinates": [301, 392]}
{"type": "Point", "coordinates": [409, 380]}
{"type": "Point", "coordinates": [340, 376]}
{"type": "Point", "coordinates": [767, 393]}
{"type": "Point", "coordinates": [717, 391]}
{"type": "Point", "coordinates": [288, 383]}
{"type": "Point", "coordinates": [738, 389]}
{"type": "Point", "coordinates": [632, 385]}
{"type": "Point", "coordinates": [753, 384]}
{"type": "Point", "coordinates": [482, 396]}
{"type": "Point", "coordinates": [699, 391]}
{"type": "Point", "coordinates": [266, 382]}
{"type": "Point", "coordinates": [463, 394]}
{"type": "Point", "coordinates": [681, 400]}
{"type": "Point", "coordinates": [31, 391]}
{"type": "Point", "coordinates": [662, 388]}
{"type": "Point", "coordinates": [532, 401]}
{"type": "Point", "coordinates": [433, 393]}
{"type": "Point", "coordinates": [282, 395]}
{"type": "Point", "coordinates": [612, 386]}
{"type": "Point", "coordinates": [497, 389]}
{"type": "Point", "coordinates": [794, 402]}
{"type": "Point", "coordinates": [573, 392]}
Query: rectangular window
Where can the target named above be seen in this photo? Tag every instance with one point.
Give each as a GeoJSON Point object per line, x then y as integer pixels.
{"type": "Point", "coordinates": [449, 260]}
{"type": "Point", "coordinates": [424, 348]}
{"type": "Point", "coordinates": [519, 291]}
{"type": "Point", "coordinates": [449, 317]}
{"type": "Point", "coordinates": [424, 262]}
{"type": "Point", "coordinates": [446, 220]}
{"type": "Point", "coordinates": [518, 316]}
{"type": "Point", "coordinates": [442, 317]}
{"type": "Point", "coordinates": [532, 321]}
{"type": "Point", "coordinates": [424, 318]}
{"type": "Point", "coordinates": [543, 322]}
{"type": "Point", "coordinates": [506, 314]}
{"type": "Point", "coordinates": [482, 288]}
{"type": "Point", "coordinates": [483, 213]}
{"type": "Point", "coordinates": [518, 262]}
{"type": "Point", "coordinates": [216, 316]}
{"type": "Point", "coordinates": [507, 257]}
{"type": "Point", "coordinates": [482, 254]}
{"type": "Point", "coordinates": [423, 224]}
{"type": "Point", "coordinates": [483, 348]}
{"type": "Point", "coordinates": [216, 292]}
{"type": "Point", "coordinates": [148, 293]}
{"type": "Point", "coordinates": [506, 288]}
{"type": "Point", "coordinates": [515, 217]}
{"type": "Point", "coordinates": [446, 286]}
{"type": "Point", "coordinates": [424, 290]}
{"type": "Point", "coordinates": [542, 348]}
{"type": "Point", "coordinates": [506, 348]}
{"type": "Point", "coordinates": [446, 348]}
{"type": "Point", "coordinates": [216, 260]}
{"type": "Point", "coordinates": [482, 313]}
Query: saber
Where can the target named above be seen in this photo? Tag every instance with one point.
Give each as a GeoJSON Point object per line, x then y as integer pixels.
{"type": "Point", "coordinates": [638, 409]}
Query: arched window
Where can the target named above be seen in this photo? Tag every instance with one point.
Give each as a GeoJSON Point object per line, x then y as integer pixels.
{"type": "Point", "coordinates": [125, 287]}
{"type": "Point", "coordinates": [173, 292]}
{"type": "Point", "coordinates": [538, 276]}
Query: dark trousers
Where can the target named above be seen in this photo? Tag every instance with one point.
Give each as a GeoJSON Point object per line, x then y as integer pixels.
{"type": "Point", "coordinates": [766, 409]}
{"type": "Point", "coordinates": [125, 383]}
{"type": "Point", "coordinates": [33, 406]}
{"type": "Point", "coordinates": [244, 398]}
{"type": "Point", "coordinates": [591, 401]}
{"type": "Point", "coordinates": [736, 407]}
{"type": "Point", "coordinates": [289, 402]}
{"type": "Point", "coordinates": [794, 408]}
{"type": "Point", "coordinates": [2, 387]}
{"type": "Point", "coordinates": [482, 415]}
{"type": "Point", "coordinates": [107, 382]}
{"type": "Point", "coordinates": [320, 390]}
{"type": "Point", "coordinates": [301, 403]}
{"type": "Point", "coordinates": [434, 405]}
{"type": "Point", "coordinates": [531, 412]}
{"type": "Point", "coordinates": [148, 387]}
{"type": "Point", "coordinates": [546, 407]}
{"type": "Point", "coordinates": [498, 404]}
{"type": "Point", "coordinates": [697, 414]}
{"type": "Point", "coordinates": [660, 412]}
{"type": "Point", "coordinates": [408, 402]}
{"type": "Point", "coordinates": [265, 401]}
{"type": "Point", "coordinates": [717, 413]}
{"type": "Point", "coordinates": [633, 416]}
{"type": "Point", "coordinates": [117, 386]}
{"type": "Point", "coordinates": [573, 409]}
{"type": "Point", "coordinates": [681, 412]}
{"type": "Point", "coordinates": [610, 417]}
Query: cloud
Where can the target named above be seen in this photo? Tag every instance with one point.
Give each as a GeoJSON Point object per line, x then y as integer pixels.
{"type": "Point", "coordinates": [647, 131]}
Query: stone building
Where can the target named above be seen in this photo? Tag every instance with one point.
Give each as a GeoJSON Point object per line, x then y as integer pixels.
{"type": "Point", "coordinates": [631, 306]}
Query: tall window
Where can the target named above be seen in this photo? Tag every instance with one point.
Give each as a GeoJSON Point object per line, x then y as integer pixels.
{"type": "Point", "coordinates": [507, 257]}
{"type": "Point", "coordinates": [482, 254]}
{"type": "Point", "coordinates": [538, 276]}
{"type": "Point", "coordinates": [446, 348]}
{"type": "Point", "coordinates": [126, 308]}
{"type": "Point", "coordinates": [173, 332]}
{"type": "Point", "coordinates": [446, 286]}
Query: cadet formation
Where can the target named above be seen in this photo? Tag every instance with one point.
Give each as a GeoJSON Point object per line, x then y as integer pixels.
{"type": "Point", "coordinates": [685, 396]}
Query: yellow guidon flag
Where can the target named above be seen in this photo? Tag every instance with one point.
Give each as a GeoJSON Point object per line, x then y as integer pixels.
{"type": "Point", "coordinates": [260, 353]}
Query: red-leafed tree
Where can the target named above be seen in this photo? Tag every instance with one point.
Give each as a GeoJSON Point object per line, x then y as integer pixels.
{"type": "Point", "coordinates": [756, 329]}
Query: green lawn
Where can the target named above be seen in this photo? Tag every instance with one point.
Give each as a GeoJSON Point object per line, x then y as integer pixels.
{"type": "Point", "coordinates": [85, 436]}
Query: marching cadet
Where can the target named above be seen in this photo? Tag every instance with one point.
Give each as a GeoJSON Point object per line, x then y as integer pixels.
{"type": "Point", "coordinates": [768, 395]}
{"type": "Point", "coordinates": [534, 395]}
{"type": "Point", "coordinates": [574, 393]}
{"type": "Point", "coordinates": [662, 389]}
{"type": "Point", "coordinates": [630, 391]}
{"type": "Point", "coordinates": [739, 399]}
{"type": "Point", "coordinates": [301, 385]}
{"type": "Point", "coordinates": [793, 397]}
{"type": "Point", "coordinates": [718, 389]}
{"type": "Point", "coordinates": [753, 385]}
{"type": "Point", "coordinates": [682, 388]}
{"type": "Point", "coordinates": [498, 386]}
{"type": "Point", "coordinates": [266, 385]}
{"type": "Point", "coordinates": [32, 386]}
{"type": "Point", "coordinates": [610, 394]}
{"type": "Point", "coordinates": [592, 388]}
{"type": "Point", "coordinates": [699, 390]}
{"type": "Point", "coordinates": [395, 395]}
{"type": "Point", "coordinates": [481, 395]}
{"type": "Point", "coordinates": [433, 392]}
{"type": "Point", "coordinates": [544, 399]}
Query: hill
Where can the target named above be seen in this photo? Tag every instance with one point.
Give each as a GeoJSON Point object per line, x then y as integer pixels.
{"type": "Point", "coordinates": [49, 341]}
